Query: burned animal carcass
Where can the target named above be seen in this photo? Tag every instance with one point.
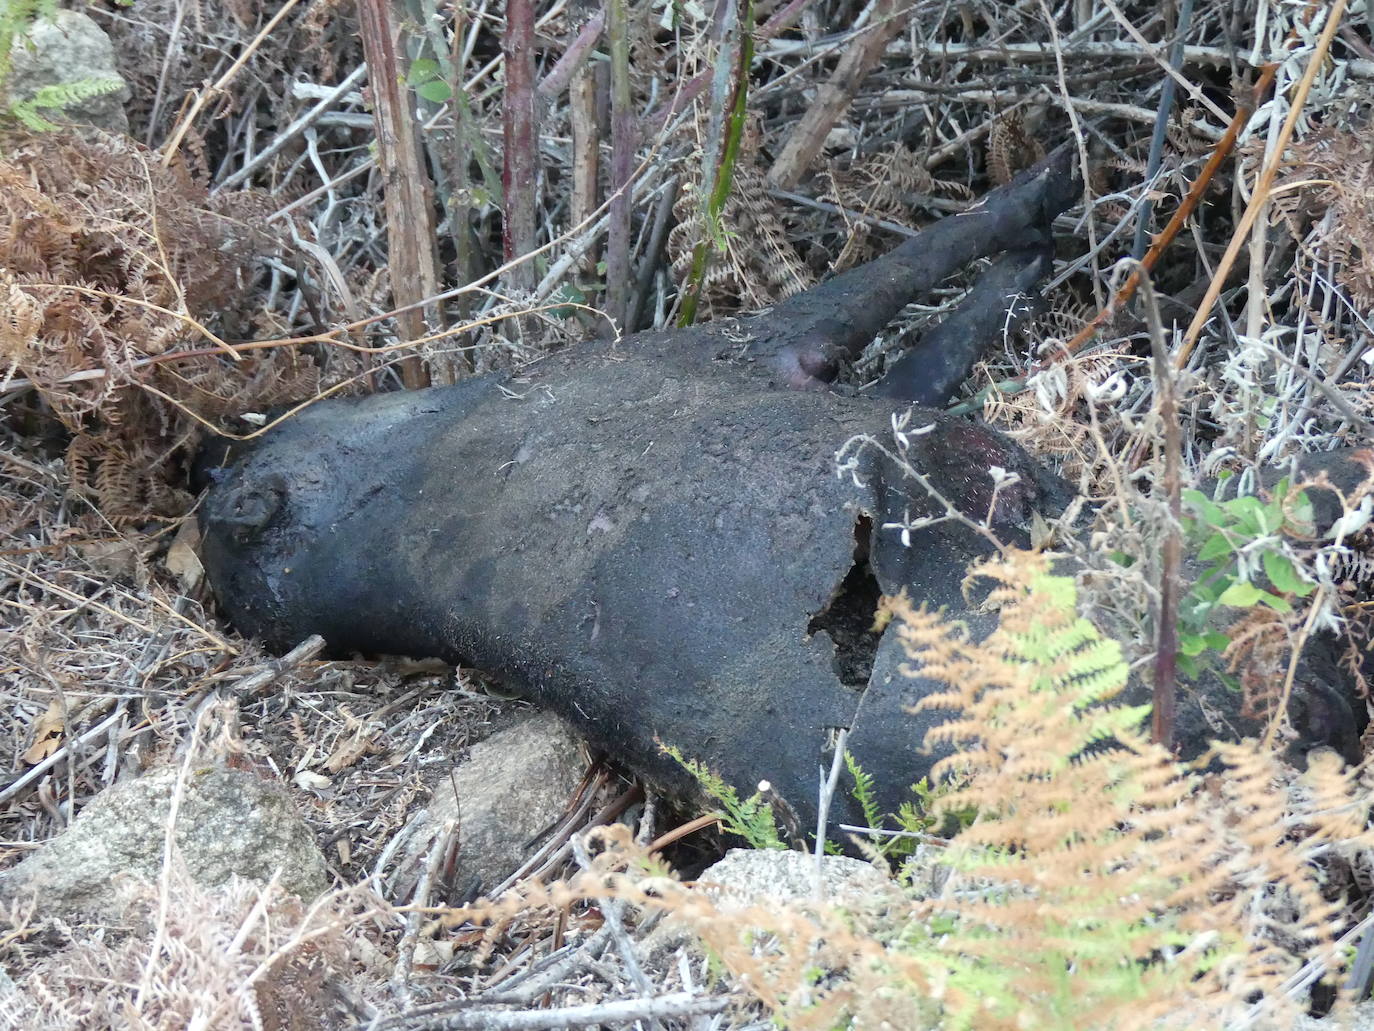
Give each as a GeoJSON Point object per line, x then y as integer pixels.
{"type": "Point", "coordinates": [649, 536]}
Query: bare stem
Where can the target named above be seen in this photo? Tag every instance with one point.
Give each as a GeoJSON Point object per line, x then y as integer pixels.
{"type": "Point", "coordinates": [1170, 586]}
{"type": "Point", "coordinates": [624, 140]}
{"type": "Point", "coordinates": [409, 200]}
{"type": "Point", "coordinates": [520, 171]}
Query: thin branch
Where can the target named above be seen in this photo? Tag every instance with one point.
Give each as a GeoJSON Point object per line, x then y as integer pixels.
{"type": "Point", "coordinates": [170, 148]}
{"type": "Point", "coordinates": [305, 121]}
{"type": "Point", "coordinates": [1161, 129]}
{"type": "Point", "coordinates": [1170, 579]}
{"type": "Point", "coordinates": [520, 165]}
{"type": "Point", "coordinates": [1185, 210]}
{"type": "Point", "coordinates": [1264, 186]}
{"type": "Point", "coordinates": [828, 785]}
{"type": "Point", "coordinates": [573, 58]}
{"type": "Point", "coordinates": [412, 262]}
{"type": "Point", "coordinates": [620, 1011]}
{"type": "Point", "coordinates": [624, 140]}
{"type": "Point", "coordinates": [807, 137]}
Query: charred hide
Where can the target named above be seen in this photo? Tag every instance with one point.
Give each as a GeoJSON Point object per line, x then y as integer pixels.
{"type": "Point", "coordinates": [652, 553]}
{"type": "Point", "coordinates": [650, 536]}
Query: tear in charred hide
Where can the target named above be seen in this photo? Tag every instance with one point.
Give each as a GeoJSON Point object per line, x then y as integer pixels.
{"type": "Point", "coordinates": [848, 618]}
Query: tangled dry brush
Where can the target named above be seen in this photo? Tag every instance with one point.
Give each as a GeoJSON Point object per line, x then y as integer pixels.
{"type": "Point", "coordinates": [578, 164]}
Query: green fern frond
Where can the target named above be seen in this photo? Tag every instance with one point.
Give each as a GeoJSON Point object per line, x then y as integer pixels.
{"type": "Point", "coordinates": [16, 19]}
{"type": "Point", "coordinates": [56, 98]}
{"type": "Point", "coordinates": [750, 818]}
{"type": "Point", "coordinates": [27, 116]}
{"type": "Point", "coordinates": [62, 95]}
{"type": "Point", "coordinates": [864, 791]}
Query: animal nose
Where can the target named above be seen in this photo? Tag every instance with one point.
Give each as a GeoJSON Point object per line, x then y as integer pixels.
{"type": "Point", "coordinates": [247, 510]}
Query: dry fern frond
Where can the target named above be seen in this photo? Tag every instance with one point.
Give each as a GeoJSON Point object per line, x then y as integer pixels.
{"type": "Point", "coordinates": [1110, 853]}
{"type": "Point", "coordinates": [111, 258]}
{"type": "Point", "coordinates": [1337, 201]}
{"type": "Point", "coordinates": [758, 264]}
{"type": "Point", "coordinates": [1011, 148]}
{"type": "Point", "coordinates": [1101, 884]}
{"type": "Point", "coordinates": [1048, 420]}
{"type": "Point", "coordinates": [882, 185]}
{"type": "Point", "coordinates": [1258, 652]}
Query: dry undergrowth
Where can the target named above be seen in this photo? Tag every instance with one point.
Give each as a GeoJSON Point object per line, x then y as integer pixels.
{"type": "Point", "coordinates": [108, 646]}
{"type": "Point", "coordinates": [107, 259]}
{"type": "Point", "coordinates": [241, 955]}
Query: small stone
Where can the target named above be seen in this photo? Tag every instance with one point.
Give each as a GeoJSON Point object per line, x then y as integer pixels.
{"type": "Point", "coordinates": [761, 876]}
{"type": "Point", "coordinates": [228, 822]}
{"type": "Point", "coordinates": [511, 787]}
{"type": "Point", "coordinates": [69, 47]}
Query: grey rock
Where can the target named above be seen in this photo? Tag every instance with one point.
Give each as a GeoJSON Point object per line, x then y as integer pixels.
{"type": "Point", "coordinates": [773, 879]}
{"type": "Point", "coordinates": [510, 787]}
{"type": "Point", "coordinates": [760, 876]}
{"type": "Point", "coordinates": [228, 822]}
{"type": "Point", "coordinates": [71, 47]}
{"type": "Point", "coordinates": [1358, 1018]}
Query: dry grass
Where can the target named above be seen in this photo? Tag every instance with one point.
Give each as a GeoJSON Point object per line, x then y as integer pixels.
{"type": "Point", "coordinates": [109, 646]}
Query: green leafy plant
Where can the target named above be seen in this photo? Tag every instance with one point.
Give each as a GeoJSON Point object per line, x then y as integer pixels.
{"type": "Point", "coordinates": [16, 19]}
{"type": "Point", "coordinates": [753, 818]}
{"type": "Point", "coordinates": [916, 819]}
{"type": "Point", "coordinates": [55, 99]}
{"type": "Point", "coordinates": [730, 94]}
{"type": "Point", "coordinates": [864, 790]}
{"type": "Point", "coordinates": [425, 78]}
{"type": "Point", "coordinates": [1236, 541]}
{"type": "Point", "coordinates": [749, 818]}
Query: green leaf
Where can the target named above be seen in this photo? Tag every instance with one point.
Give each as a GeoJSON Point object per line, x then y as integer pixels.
{"type": "Point", "coordinates": [1191, 644]}
{"type": "Point", "coordinates": [1276, 603]}
{"type": "Point", "coordinates": [573, 295]}
{"type": "Point", "coordinates": [1248, 513]}
{"type": "Point", "coordinates": [1217, 641]}
{"type": "Point", "coordinates": [422, 69]}
{"type": "Point", "coordinates": [1301, 519]}
{"type": "Point", "coordinates": [1207, 509]}
{"type": "Point", "coordinates": [1217, 546]}
{"type": "Point", "coordinates": [1207, 590]}
{"type": "Point", "coordinates": [1271, 516]}
{"type": "Point", "coordinates": [1241, 595]}
{"type": "Point", "coordinates": [1281, 573]}
{"type": "Point", "coordinates": [436, 91]}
